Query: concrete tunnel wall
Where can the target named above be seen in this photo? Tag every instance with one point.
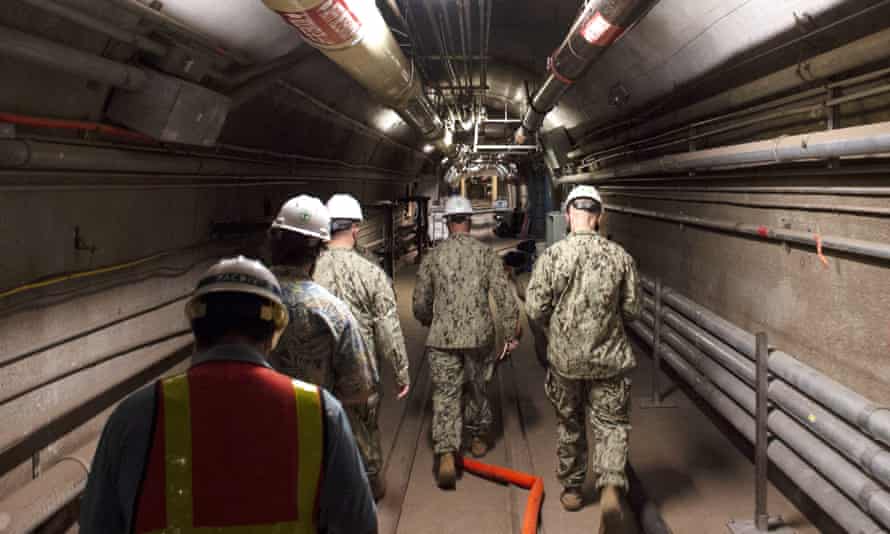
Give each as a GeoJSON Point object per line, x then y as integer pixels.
{"type": "Point", "coordinates": [44, 373]}
{"type": "Point", "coordinates": [833, 318]}
{"type": "Point", "coordinates": [41, 384]}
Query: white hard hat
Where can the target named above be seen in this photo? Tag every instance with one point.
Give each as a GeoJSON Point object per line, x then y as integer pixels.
{"type": "Point", "coordinates": [343, 206]}
{"type": "Point", "coordinates": [582, 191]}
{"type": "Point", "coordinates": [241, 275]}
{"type": "Point", "coordinates": [458, 205]}
{"type": "Point", "coordinates": [305, 215]}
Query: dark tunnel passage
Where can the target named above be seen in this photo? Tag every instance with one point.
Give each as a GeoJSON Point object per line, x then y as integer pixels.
{"type": "Point", "coordinates": [730, 157]}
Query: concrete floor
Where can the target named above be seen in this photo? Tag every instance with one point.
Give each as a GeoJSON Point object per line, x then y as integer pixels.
{"type": "Point", "coordinates": [689, 469]}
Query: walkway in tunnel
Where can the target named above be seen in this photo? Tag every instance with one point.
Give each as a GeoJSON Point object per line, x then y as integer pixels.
{"type": "Point", "coordinates": [691, 471]}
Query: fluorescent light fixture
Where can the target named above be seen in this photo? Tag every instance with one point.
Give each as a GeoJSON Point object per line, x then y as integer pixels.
{"type": "Point", "coordinates": [387, 120]}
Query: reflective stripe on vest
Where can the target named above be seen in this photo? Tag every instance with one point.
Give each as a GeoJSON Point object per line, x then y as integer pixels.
{"type": "Point", "coordinates": [178, 463]}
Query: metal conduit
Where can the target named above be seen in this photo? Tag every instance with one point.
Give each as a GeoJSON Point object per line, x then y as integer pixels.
{"type": "Point", "coordinates": [830, 208]}
{"type": "Point", "coordinates": [870, 418]}
{"type": "Point", "coordinates": [813, 111]}
{"type": "Point", "coordinates": [30, 154]}
{"type": "Point", "coordinates": [171, 26]}
{"type": "Point", "coordinates": [868, 454]}
{"type": "Point", "coordinates": [597, 27]}
{"type": "Point", "coordinates": [858, 247]}
{"type": "Point", "coordinates": [74, 156]}
{"type": "Point", "coordinates": [36, 502]}
{"type": "Point", "coordinates": [865, 140]}
{"type": "Point", "coordinates": [769, 190]}
{"type": "Point", "coordinates": [19, 45]}
{"type": "Point", "coordinates": [868, 495]}
{"type": "Point", "coordinates": [811, 482]}
{"type": "Point", "coordinates": [853, 55]}
{"type": "Point", "coordinates": [104, 27]}
{"type": "Point", "coordinates": [767, 106]}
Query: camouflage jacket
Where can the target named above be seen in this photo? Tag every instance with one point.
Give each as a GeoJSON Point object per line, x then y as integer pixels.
{"type": "Point", "coordinates": [368, 292]}
{"type": "Point", "coordinates": [322, 344]}
{"type": "Point", "coordinates": [579, 291]}
{"type": "Point", "coordinates": [452, 292]}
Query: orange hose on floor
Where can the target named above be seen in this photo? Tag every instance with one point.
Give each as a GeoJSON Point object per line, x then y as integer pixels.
{"type": "Point", "coordinates": [517, 478]}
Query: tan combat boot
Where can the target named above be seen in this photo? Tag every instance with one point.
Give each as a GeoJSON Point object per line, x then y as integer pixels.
{"type": "Point", "coordinates": [617, 517]}
{"type": "Point", "coordinates": [478, 447]}
{"type": "Point", "coordinates": [571, 499]}
{"type": "Point", "coordinates": [447, 475]}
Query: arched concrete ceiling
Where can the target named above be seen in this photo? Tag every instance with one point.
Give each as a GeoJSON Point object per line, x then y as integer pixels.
{"type": "Point", "coordinates": [677, 44]}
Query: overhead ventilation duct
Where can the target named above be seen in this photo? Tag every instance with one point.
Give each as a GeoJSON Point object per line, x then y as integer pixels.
{"type": "Point", "coordinates": [353, 34]}
{"type": "Point", "coordinates": [601, 23]}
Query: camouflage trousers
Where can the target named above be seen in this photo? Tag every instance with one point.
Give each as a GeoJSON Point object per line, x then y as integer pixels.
{"type": "Point", "coordinates": [460, 396]}
{"type": "Point", "coordinates": [364, 422]}
{"type": "Point", "coordinates": [606, 404]}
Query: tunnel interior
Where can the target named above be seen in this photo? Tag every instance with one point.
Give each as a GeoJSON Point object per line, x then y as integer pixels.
{"type": "Point", "coordinates": [740, 146]}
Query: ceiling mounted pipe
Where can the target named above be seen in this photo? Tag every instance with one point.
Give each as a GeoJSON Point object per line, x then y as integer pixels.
{"type": "Point", "coordinates": [867, 140]}
{"type": "Point", "coordinates": [600, 24]}
{"type": "Point", "coordinates": [19, 45]}
{"type": "Point", "coordinates": [354, 35]}
{"type": "Point", "coordinates": [851, 56]}
{"type": "Point", "coordinates": [104, 27]}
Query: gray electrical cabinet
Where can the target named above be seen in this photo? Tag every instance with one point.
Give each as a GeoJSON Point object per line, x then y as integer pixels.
{"type": "Point", "coordinates": [556, 227]}
{"type": "Point", "coordinates": [172, 110]}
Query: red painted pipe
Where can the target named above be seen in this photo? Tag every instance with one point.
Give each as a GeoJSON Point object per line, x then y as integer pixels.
{"type": "Point", "coordinates": [40, 122]}
{"type": "Point", "coordinates": [509, 476]}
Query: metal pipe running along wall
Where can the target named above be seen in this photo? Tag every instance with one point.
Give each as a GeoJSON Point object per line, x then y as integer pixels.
{"type": "Point", "coordinates": [37, 501]}
{"type": "Point", "coordinates": [870, 418]}
{"type": "Point", "coordinates": [858, 247]}
{"type": "Point", "coordinates": [810, 481]}
{"type": "Point", "coordinates": [804, 441]}
{"type": "Point", "coordinates": [867, 140]}
{"type": "Point", "coordinates": [853, 443]}
{"type": "Point", "coordinates": [857, 54]}
{"type": "Point", "coordinates": [19, 45]}
{"type": "Point", "coordinates": [355, 37]}
{"type": "Point", "coordinates": [600, 24]}
{"type": "Point", "coordinates": [107, 28]}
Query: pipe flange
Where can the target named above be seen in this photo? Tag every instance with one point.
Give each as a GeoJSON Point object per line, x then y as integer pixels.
{"type": "Point", "coordinates": [867, 458]}
{"type": "Point", "coordinates": [776, 142]}
{"type": "Point", "coordinates": [551, 68]}
{"type": "Point", "coordinates": [868, 491]}
{"type": "Point", "coordinates": [865, 415]}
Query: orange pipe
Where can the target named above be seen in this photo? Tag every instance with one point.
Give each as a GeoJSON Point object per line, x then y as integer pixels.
{"type": "Point", "coordinates": [40, 122]}
{"type": "Point", "coordinates": [509, 476]}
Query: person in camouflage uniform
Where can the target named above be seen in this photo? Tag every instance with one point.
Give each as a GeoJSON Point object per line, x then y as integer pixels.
{"type": "Point", "coordinates": [322, 344]}
{"type": "Point", "coordinates": [368, 292]}
{"type": "Point", "coordinates": [451, 296]}
{"type": "Point", "coordinates": [581, 289]}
